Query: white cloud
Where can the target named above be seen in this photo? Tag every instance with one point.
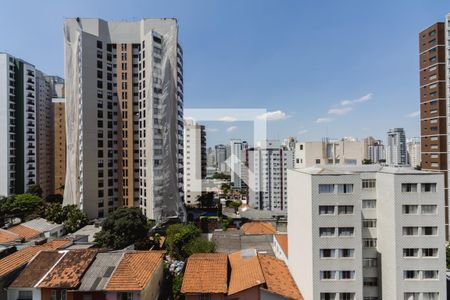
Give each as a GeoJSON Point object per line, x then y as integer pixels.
{"type": "Point", "coordinates": [273, 116]}
{"type": "Point", "coordinates": [323, 120]}
{"type": "Point", "coordinates": [302, 132]}
{"type": "Point", "coordinates": [413, 114]}
{"type": "Point", "coordinates": [362, 99]}
{"type": "Point", "coordinates": [339, 111]}
{"type": "Point", "coordinates": [212, 129]}
{"type": "Point", "coordinates": [227, 119]}
{"type": "Point", "coordinates": [231, 128]}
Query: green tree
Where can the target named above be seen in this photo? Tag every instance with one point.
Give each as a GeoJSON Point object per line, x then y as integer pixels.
{"type": "Point", "coordinates": [23, 206]}
{"type": "Point", "coordinates": [367, 161]}
{"type": "Point", "coordinates": [123, 227]}
{"type": "Point", "coordinates": [54, 212]}
{"type": "Point", "coordinates": [177, 281]}
{"type": "Point", "coordinates": [74, 218]}
{"type": "Point", "coordinates": [178, 235]}
{"type": "Point", "coordinates": [35, 189]}
{"type": "Point", "coordinates": [225, 187]}
{"type": "Point", "coordinates": [207, 200]}
{"type": "Point", "coordinates": [198, 245]}
{"type": "Point", "coordinates": [219, 175]}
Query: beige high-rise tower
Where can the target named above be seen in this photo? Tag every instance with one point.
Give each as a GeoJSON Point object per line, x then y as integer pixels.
{"type": "Point", "coordinates": [124, 116]}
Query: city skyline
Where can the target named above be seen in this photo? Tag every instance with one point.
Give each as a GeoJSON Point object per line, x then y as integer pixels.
{"type": "Point", "coordinates": [358, 75]}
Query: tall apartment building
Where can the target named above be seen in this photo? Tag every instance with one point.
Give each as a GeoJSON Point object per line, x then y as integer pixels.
{"type": "Point", "coordinates": [222, 153]}
{"type": "Point", "coordinates": [194, 161]}
{"type": "Point", "coordinates": [336, 152]}
{"type": "Point", "coordinates": [396, 154]}
{"type": "Point", "coordinates": [18, 129]}
{"type": "Point", "coordinates": [58, 136]}
{"type": "Point", "coordinates": [433, 58]}
{"type": "Point", "coordinates": [375, 151]}
{"type": "Point", "coordinates": [237, 161]}
{"type": "Point", "coordinates": [267, 175]}
{"type": "Point", "coordinates": [413, 151]}
{"type": "Point", "coordinates": [124, 110]}
{"type": "Point", "coordinates": [367, 232]}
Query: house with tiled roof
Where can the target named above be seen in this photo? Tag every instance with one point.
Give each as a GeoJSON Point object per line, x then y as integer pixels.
{"type": "Point", "coordinates": [13, 264]}
{"type": "Point", "coordinates": [30, 230]}
{"type": "Point", "coordinates": [258, 228]}
{"type": "Point", "coordinates": [238, 276]}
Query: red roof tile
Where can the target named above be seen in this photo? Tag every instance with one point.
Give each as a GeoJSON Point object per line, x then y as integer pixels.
{"type": "Point", "coordinates": [258, 228]}
{"type": "Point", "coordinates": [7, 237]}
{"type": "Point", "coordinates": [245, 271]}
{"type": "Point", "coordinates": [282, 240]}
{"type": "Point", "coordinates": [24, 231]}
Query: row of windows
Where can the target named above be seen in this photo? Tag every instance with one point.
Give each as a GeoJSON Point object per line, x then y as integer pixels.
{"type": "Point", "coordinates": [331, 209]}
{"type": "Point", "coordinates": [414, 252]}
{"type": "Point", "coordinates": [336, 296]}
{"type": "Point", "coordinates": [331, 231]}
{"type": "Point", "coordinates": [370, 183]}
{"type": "Point", "coordinates": [416, 274]}
{"type": "Point", "coordinates": [425, 296]}
{"type": "Point", "coordinates": [333, 188]}
{"type": "Point", "coordinates": [337, 275]}
{"type": "Point", "coordinates": [412, 187]}
{"type": "Point", "coordinates": [336, 253]}
{"type": "Point", "coordinates": [429, 209]}
{"type": "Point", "coordinates": [416, 231]}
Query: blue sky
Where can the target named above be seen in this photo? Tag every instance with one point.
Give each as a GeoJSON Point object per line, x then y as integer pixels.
{"type": "Point", "coordinates": [302, 58]}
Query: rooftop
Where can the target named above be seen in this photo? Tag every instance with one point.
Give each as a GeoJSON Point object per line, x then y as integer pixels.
{"type": "Point", "coordinates": [245, 271]}
{"type": "Point", "coordinates": [41, 225]}
{"type": "Point", "coordinates": [89, 230]}
{"type": "Point", "coordinates": [282, 240]}
{"type": "Point", "coordinates": [278, 278]}
{"type": "Point", "coordinates": [232, 241]}
{"type": "Point", "coordinates": [25, 232]}
{"type": "Point", "coordinates": [22, 257]}
{"type": "Point", "coordinates": [258, 228]}
{"type": "Point", "coordinates": [206, 273]}
{"type": "Point", "coordinates": [68, 271]}
{"type": "Point", "coordinates": [97, 276]}
{"type": "Point", "coordinates": [135, 270]}
{"type": "Point", "coordinates": [8, 237]}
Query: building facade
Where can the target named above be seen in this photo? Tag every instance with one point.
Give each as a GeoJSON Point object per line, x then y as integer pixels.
{"type": "Point", "coordinates": [237, 160]}
{"type": "Point", "coordinates": [267, 175]}
{"type": "Point", "coordinates": [396, 153]}
{"type": "Point", "coordinates": [124, 110]}
{"type": "Point", "coordinates": [222, 153]}
{"type": "Point", "coordinates": [335, 152]}
{"type": "Point", "coordinates": [367, 232]}
{"type": "Point", "coordinates": [376, 152]}
{"type": "Point", "coordinates": [194, 161]}
{"type": "Point", "coordinates": [413, 150]}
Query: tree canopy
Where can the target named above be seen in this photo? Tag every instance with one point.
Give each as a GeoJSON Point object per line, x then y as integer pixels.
{"type": "Point", "coordinates": [123, 227]}
{"type": "Point", "coordinates": [35, 189]}
{"type": "Point", "coordinates": [184, 240]}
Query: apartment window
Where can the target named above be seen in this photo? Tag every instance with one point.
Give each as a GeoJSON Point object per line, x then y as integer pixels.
{"type": "Point", "coordinates": [25, 295]}
{"type": "Point", "coordinates": [430, 296]}
{"type": "Point", "coordinates": [410, 230]}
{"type": "Point", "coordinates": [410, 252]}
{"type": "Point", "coordinates": [326, 231]}
{"type": "Point", "coordinates": [429, 209]}
{"type": "Point", "coordinates": [317, 161]}
{"type": "Point", "coordinates": [327, 296]}
{"type": "Point", "coordinates": [429, 252]}
{"type": "Point", "coordinates": [432, 274]}
{"type": "Point", "coordinates": [370, 223]}
{"type": "Point", "coordinates": [369, 203]}
{"type": "Point", "coordinates": [429, 230]}
{"type": "Point", "coordinates": [411, 296]}
{"type": "Point", "coordinates": [345, 188]}
{"type": "Point", "coordinates": [370, 281]}
{"type": "Point", "coordinates": [370, 262]}
{"type": "Point", "coordinates": [369, 243]}
{"type": "Point", "coordinates": [327, 253]}
{"type": "Point", "coordinates": [410, 209]}
{"type": "Point", "coordinates": [327, 275]}
{"type": "Point", "coordinates": [346, 253]}
{"type": "Point", "coordinates": [428, 187]}
{"type": "Point", "coordinates": [125, 296]}
{"type": "Point", "coordinates": [368, 183]}
{"type": "Point", "coordinates": [410, 274]}
{"type": "Point", "coordinates": [326, 188]}
{"type": "Point", "coordinates": [347, 275]}
{"type": "Point", "coordinates": [409, 187]}
{"type": "Point", "coordinates": [345, 209]}
{"type": "Point", "coordinates": [58, 295]}
{"type": "Point", "coordinates": [346, 296]}
{"type": "Point", "coordinates": [346, 231]}
{"type": "Point", "coordinates": [326, 210]}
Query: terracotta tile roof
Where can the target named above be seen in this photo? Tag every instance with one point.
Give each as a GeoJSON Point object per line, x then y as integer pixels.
{"type": "Point", "coordinates": [258, 228]}
{"type": "Point", "coordinates": [278, 278]}
{"type": "Point", "coordinates": [135, 270]}
{"type": "Point", "coordinates": [36, 269]}
{"type": "Point", "coordinates": [23, 256]}
{"type": "Point", "coordinates": [7, 237]}
{"type": "Point", "coordinates": [282, 240]}
{"type": "Point", "coordinates": [245, 271]}
{"type": "Point", "coordinates": [206, 273]}
{"type": "Point", "coordinates": [69, 270]}
{"type": "Point", "coordinates": [24, 231]}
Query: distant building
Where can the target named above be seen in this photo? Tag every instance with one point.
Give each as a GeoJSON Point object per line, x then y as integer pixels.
{"type": "Point", "coordinates": [194, 161]}
{"type": "Point", "coordinates": [367, 232]}
{"type": "Point", "coordinates": [414, 154]}
{"type": "Point", "coordinates": [267, 175]}
{"type": "Point", "coordinates": [334, 152]}
{"type": "Point", "coordinates": [237, 160]}
{"type": "Point", "coordinates": [396, 154]}
{"type": "Point", "coordinates": [222, 153]}
{"type": "Point", "coordinates": [375, 150]}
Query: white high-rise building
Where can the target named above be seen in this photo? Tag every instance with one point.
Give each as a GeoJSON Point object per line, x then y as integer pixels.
{"type": "Point", "coordinates": [124, 108]}
{"type": "Point", "coordinates": [367, 232]}
{"type": "Point", "coordinates": [334, 152]}
{"type": "Point", "coordinates": [194, 161]}
{"type": "Point", "coordinates": [267, 175]}
{"type": "Point", "coordinates": [222, 153]}
{"type": "Point", "coordinates": [237, 160]}
{"type": "Point", "coordinates": [414, 153]}
{"type": "Point", "coordinates": [396, 154]}
{"type": "Point", "coordinates": [18, 128]}
{"type": "Point", "coordinates": [376, 152]}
